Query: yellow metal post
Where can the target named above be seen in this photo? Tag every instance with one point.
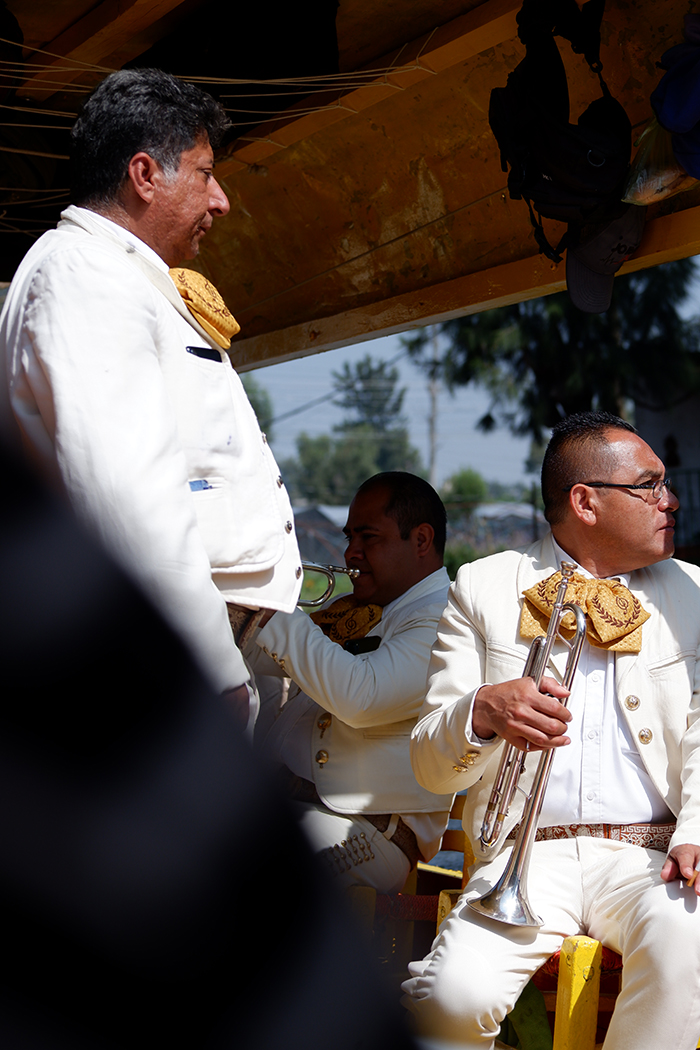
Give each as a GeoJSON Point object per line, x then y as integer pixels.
{"type": "Point", "coordinates": [578, 988]}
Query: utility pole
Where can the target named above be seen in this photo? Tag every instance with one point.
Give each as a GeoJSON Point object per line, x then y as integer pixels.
{"type": "Point", "coordinates": [433, 389]}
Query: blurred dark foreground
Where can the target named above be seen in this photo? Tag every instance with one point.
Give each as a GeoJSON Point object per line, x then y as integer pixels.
{"type": "Point", "coordinates": [132, 910]}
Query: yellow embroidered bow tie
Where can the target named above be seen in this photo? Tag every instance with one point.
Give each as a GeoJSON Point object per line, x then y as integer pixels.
{"type": "Point", "coordinates": [345, 619]}
{"type": "Point", "coordinates": [614, 617]}
{"type": "Point", "coordinates": [206, 305]}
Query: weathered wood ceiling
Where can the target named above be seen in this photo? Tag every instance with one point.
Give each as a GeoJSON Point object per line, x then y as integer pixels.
{"type": "Point", "coordinates": [377, 202]}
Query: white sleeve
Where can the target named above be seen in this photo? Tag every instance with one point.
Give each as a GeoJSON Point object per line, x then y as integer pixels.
{"type": "Point", "coordinates": [441, 738]}
{"type": "Point", "coordinates": [376, 688]}
{"type": "Point", "coordinates": [91, 381]}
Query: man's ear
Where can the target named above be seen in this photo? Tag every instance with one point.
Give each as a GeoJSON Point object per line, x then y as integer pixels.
{"type": "Point", "coordinates": [424, 536]}
{"type": "Point", "coordinates": [143, 171]}
{"type": "Point", "coordinates": [583, 502]}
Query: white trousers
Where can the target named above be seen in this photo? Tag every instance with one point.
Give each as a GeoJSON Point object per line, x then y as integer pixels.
{"type": "Point", "coordinates": [354, 852]}
{"type": "Point", "coordinates": [609, 890]}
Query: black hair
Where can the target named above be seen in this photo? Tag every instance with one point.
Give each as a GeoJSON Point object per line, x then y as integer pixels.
{"type": "Point", "coordinates": [577, 446]}
{"type": "Point", "coordinates": [134, 110]}
{"type": "Point", "coordinates": [412, 501]}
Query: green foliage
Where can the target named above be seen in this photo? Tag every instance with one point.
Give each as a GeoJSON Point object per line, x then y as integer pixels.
{"type": "Point", "coordinates": [330, 468]}
{"type": "Point", "coordinates": [465, 490]}
{"type": "Point", "coordinates": [369, 391]}
{"type": "Point", "coordinates": [261, 402]}
{"type": "Point", "coordinates": [544, 359]}
{"type": "Point", "coordinates": [518, 492]}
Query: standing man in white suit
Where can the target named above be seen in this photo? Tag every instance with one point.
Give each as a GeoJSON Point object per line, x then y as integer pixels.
{"type": "Point", "coordinates": [619, 831]}
{"type": "Point", "coordinates": [115, 381]}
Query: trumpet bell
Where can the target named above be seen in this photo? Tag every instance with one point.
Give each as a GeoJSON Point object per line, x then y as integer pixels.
{"type": "Point", "coordinates": [506, 903]}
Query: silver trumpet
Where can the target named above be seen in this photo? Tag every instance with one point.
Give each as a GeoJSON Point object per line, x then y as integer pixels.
{"type": "Point", "coordinates": [329, 571]}
{"type": "Point", "coordinates": [507, 901]}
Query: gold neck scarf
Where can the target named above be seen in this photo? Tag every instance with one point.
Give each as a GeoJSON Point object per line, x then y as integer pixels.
{"type": "Point", "coordinates": [206, 305]}
{"type": "Point", "coordinates": [345, 619]}
{"type": "Point", "coordinates": [614, 617]}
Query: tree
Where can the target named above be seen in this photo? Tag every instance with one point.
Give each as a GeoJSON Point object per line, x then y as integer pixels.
{"type": "Point", "coordinates": [544, 359]}
{"type": "Point", "coordinates": [369, 391]}
{"type": "Point", "coordinates": [330, 469]}
{"type": "Point", "coordinates": [464, 490]}
{"type": "Point", "coordinates": [260, 401]}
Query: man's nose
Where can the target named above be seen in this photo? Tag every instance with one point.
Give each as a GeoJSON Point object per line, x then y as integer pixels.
{"type": "Point", "coordinates": [670, 501]}
{"type": "Point", "coordinates": [352, 551]}
{"type": "Point", "coordinates": [218, 201]}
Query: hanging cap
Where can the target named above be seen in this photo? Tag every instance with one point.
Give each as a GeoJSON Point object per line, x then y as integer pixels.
{"type": "Point", "coordinates": [602, 248]}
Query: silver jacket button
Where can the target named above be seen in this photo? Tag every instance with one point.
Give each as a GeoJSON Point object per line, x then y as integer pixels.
{"type": "Point", "coordinates": [645, 736]}
{"type": "Point", "coordinates": [631, 703]}
{"type": "Point", "coordinates": [321, 757]}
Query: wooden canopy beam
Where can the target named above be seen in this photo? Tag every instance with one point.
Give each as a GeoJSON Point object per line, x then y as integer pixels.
{"type": "Point", "coordinates": [107, 28]}
{"type": "Point", "coordinates": [670, 237]}
{"type": "Point", "coordinates": [486, 26]}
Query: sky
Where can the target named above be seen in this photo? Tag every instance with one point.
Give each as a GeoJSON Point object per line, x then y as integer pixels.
{"type": "Point", "coordinates": [497, 456]}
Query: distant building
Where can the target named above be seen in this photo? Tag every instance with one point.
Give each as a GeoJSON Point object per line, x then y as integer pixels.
{"type": "Point", "coordinates": [497, 526]}
{"type": "Point", "coordinates": [320, 534]}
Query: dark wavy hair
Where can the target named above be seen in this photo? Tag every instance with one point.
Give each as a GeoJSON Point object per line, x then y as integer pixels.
{"type": "Point", "coordinates": [578, 447]}
{"type": "Point", "coordinates": [134, 110]}
{"type": "Point", "coordinates": [411, 502]}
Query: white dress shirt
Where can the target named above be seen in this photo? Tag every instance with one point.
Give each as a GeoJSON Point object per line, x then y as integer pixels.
{"type": "Point", "coordinates": [599, 778]}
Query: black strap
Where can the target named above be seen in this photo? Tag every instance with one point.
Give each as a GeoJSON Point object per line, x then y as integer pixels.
{"type": "Point", "coordinates": [555, 254]}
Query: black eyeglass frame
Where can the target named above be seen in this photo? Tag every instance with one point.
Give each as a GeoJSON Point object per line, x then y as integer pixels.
{"type": "Point", "coordinates": [648, 486]}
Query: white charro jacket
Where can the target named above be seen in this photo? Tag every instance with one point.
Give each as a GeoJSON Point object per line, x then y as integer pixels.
{"type": "Point", "coordinates": [105, 383]}
{"type": "Point", "coordinates": [658, 689]}
{"type": "Point", "coordinates": [373, 700]}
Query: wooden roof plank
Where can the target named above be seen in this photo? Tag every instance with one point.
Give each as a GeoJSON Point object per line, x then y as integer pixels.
{"type": "Point", "coordinates": [669, 237]}
{"type": "Point", "coordinates": [90, 40]}
{"type": "Point", "coordinates": [457, 41]}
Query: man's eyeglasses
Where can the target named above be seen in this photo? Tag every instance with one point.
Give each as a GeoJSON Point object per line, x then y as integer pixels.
{"type": "Point", "coordinates": [656, 489]}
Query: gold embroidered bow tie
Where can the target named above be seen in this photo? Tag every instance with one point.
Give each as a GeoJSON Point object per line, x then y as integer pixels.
{"type": "Point", "coordinates": [345, 619]}
{"type": "Point", "coordinates": [206, 305]}
{"type": "Point", "coordinates": [614, 617]}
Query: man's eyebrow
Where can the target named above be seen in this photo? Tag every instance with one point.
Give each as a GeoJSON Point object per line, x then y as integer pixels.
{"type": "Point", "coordinates": [651, 475]}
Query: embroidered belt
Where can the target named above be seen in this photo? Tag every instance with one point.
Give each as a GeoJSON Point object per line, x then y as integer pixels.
{"type": "Point", "coordinates": [649, 836]}
{"type": "Point", "coordinates": [243, 622]}
{"type": "Point", "coordinates": [302, 790]}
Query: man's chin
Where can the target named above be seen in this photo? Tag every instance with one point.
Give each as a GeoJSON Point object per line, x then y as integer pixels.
{"type": "Point", "coordinates": [364, 595]}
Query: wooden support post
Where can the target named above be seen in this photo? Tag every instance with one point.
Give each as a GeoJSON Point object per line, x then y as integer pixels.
{"type": "Point", "coordinates": [577, 994]}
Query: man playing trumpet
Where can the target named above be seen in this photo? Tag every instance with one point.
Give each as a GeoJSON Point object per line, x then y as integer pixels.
{"type": "Point", "coordinates": [619, 829]}
{"type": "Point", "coordinates": [358, 682]}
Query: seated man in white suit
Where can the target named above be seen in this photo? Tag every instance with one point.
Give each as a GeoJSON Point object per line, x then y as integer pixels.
{"type": "Point", "coordinates": [358, 682]}
{"type": "Point", "coordinates": [619, 831]}
{"type": "Point", "coordinates": [116, 382]}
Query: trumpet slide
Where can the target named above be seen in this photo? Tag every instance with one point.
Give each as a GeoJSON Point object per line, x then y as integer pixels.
{"type": "Point", "coordinates": [330, 572]}
{"type": "Point", "coordinates": [507, 901]}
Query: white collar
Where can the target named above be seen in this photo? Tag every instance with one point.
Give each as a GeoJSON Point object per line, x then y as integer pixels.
{"type": "Point", "coordinates": [87, 215]}
{"type": "Point", "coordinates": [435, 581]}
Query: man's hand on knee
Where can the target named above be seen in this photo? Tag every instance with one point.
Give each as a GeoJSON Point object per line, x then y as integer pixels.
{"type": "Point", "coordinates": [683, 862]}
{"type": "Point", "coordinates": [521, 714]}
